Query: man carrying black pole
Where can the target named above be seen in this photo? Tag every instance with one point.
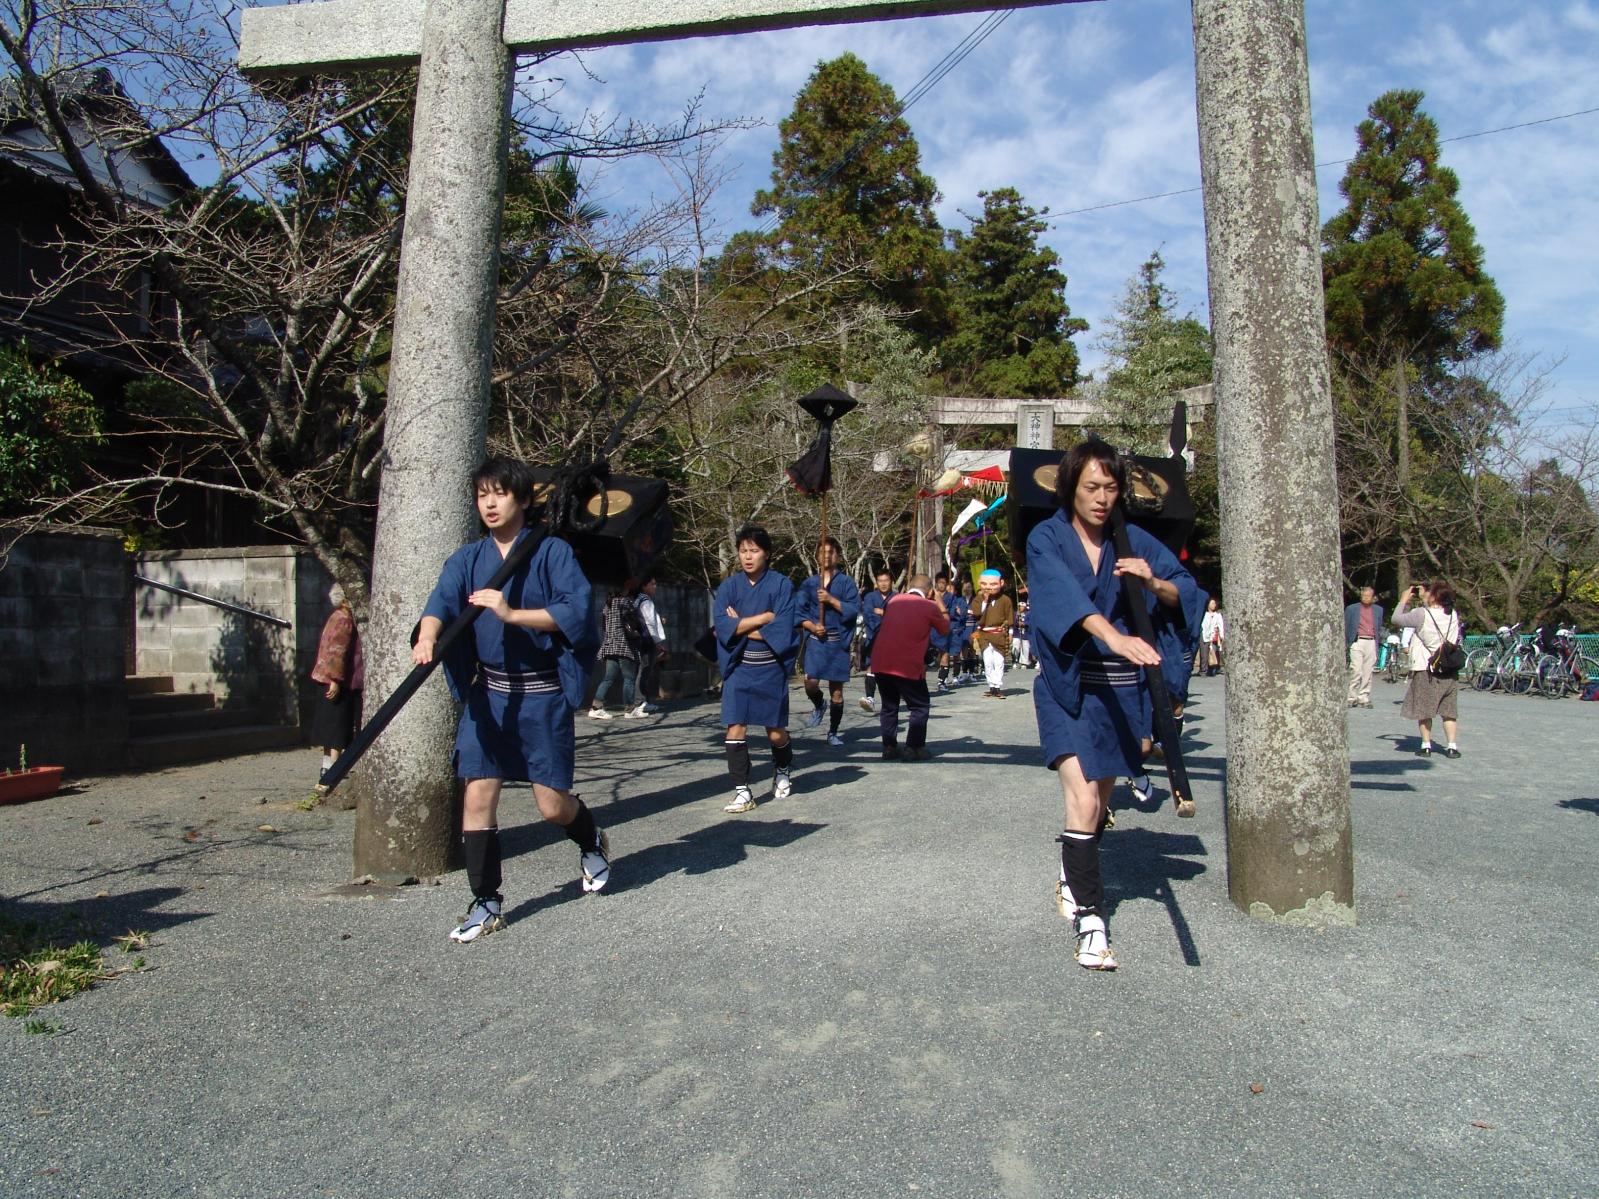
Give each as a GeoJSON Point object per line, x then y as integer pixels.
{"type": "Point", "coordinates": [521, 677]}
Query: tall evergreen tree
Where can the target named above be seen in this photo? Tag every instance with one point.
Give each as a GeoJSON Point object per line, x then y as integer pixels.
{"type": "Point", "coordinates": [1407, 294]}
{"type": "Point", "coordinates": [848, 187]}
{"type": "Point", "coordinates": [1012, 327]}
{"type": "Point", "coordinates": [1152, 352]}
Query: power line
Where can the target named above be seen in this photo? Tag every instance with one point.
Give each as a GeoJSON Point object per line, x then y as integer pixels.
{"type": "Point", "coordinates": [935, 75]}
{"type": "Point", "coordinates": [1337, 162]}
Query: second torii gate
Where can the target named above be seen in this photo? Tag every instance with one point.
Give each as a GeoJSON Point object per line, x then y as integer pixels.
{"type": "Point", "coordinates": [1288, 817]}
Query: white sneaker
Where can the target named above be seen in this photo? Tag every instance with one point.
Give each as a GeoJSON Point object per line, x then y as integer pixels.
{"type": "Point", "coordinates": [868, 704]}
{"type": "Point", "coordinates": [743, 800]}
{"type": "Point", "coordinates": [599, 714]}
{"type": "Point", "coordinates": [835, 740]}
{"type": "Point", "coordinates": [814, 720]}
{"type": "Point", "coordinates": [1143, 790]}
{"type": "Point", "coordinates": [596, 865]}
{"type": "Point", "coordinates": [649, 709]}
{"type": "Point", "coordinates": [1093, 944]}
{"type": "Point", "coordinates": [782, 785]}
{"type": "Point", "coordinates": [637, 713]}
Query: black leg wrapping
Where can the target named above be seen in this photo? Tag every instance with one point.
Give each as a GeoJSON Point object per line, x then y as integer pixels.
{"type": "Point", "coordinates": [782, 757]}
{"type": "Point", "coordinates": [835, 713]}
{"type": "Point", "coordinates": [582, 828]}
{"type": "Point", "coordinates": [481, 849]}
{"type": "Point", "coordinates": [943, 674]}
{"type": "Point", "coordinates": [1079, 854]}
{"type": "Point", "coordinates": [738, 762]}
{"type": "Point", "coordinates": [871, 685]}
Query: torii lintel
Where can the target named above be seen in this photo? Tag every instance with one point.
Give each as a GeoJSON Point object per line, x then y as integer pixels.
{"type": "Point", "coordinates": [373, 33]}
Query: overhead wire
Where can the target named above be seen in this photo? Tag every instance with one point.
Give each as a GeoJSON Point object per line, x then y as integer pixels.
{"type": "Point", "coordinates": [934, 76]}
{"type": "Point", "coordinates": [1056, 217]}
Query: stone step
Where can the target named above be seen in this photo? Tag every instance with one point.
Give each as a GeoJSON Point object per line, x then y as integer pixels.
{"type": "Point", "coordinates": [195, 720]}
{"type": "Point", "coordinates": [170, 749]}
{"type": "Point", "coordinates": [154, 703]}
{"type": "Point", "coordinates": [147, 684]}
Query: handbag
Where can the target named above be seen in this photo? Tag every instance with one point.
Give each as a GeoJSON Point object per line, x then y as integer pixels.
{"type": "Point", "coordinates": [1448, 659]}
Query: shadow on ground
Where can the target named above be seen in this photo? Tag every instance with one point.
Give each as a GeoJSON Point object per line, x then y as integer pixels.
{"type": "Point", "coordinates": [1142, 864]}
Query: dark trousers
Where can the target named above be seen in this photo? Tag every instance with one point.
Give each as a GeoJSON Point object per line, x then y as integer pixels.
{"type": "Point", "coordinates": [914, 693]}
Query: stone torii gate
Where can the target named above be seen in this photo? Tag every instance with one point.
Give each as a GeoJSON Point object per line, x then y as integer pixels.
{"type": "Point", "coordinates": [1288, 781]}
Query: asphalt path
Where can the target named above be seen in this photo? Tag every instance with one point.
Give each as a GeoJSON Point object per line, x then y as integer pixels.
{"type": "Point", "coordinates": [864, 989]}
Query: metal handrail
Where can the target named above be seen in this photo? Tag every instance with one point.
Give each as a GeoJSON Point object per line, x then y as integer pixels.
{"type": "Point", "coordinates": [215, 603]}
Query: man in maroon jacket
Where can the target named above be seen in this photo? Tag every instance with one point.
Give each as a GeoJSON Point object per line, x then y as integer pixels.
{"type": "Point", "coordinates": [899, 663]}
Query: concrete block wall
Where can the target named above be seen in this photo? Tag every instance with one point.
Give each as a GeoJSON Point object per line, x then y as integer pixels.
{"type": "Point", "coordinates": [244, 662]}
{"type": "Point", "coordinates": [63, 626]}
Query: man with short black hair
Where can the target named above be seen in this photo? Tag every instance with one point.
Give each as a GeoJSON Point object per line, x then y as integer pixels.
{"type": "Point", "coordinates": [520, 674]}
{"type": "Point", "coordinates": [872, 608]}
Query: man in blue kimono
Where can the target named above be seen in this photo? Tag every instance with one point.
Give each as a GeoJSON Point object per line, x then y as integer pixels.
{"type": "Point", "coordinates": [828, 604]}
{"type": "Point", "coordinates": [755, 650]}
{"type": "Point", "coordinates": [955, 641]}
{"type": "Point", "coordinates": [520, 672]}
{"type": "Point", "coordinates": [1091, 699]}
{"type": "Point", "coordinates": [872, 609]}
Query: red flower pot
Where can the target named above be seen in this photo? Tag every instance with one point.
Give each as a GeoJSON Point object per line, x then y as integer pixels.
{"type": "Point", "coordinates": [34, 783]}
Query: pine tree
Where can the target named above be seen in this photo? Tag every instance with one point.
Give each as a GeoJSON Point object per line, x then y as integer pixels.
{"type": "Point", "coordinates": [848, 188]}
{"type": "Point", "coordinates": [1406, 290]}
{"type": "Point", "coordinates": [1152, 353]}
{"type": "Point", "coordinates": [1008, 300]}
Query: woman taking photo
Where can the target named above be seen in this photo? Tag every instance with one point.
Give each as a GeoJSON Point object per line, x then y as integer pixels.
{"type": "Point", "coordinates": [1091, 698]}
{"type": "Point", "coordinates": [1431, 695]}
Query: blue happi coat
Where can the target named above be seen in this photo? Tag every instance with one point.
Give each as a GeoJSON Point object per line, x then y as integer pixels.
{"type": "Point", "coordinates": [771, 592]}
{"type": "Point", "coordinates": [755, 694]}
{"type": "Point", "coordinates": [959, 611]}
{"type": "Point", "coordinates": [1064, 591]}
{"type": "Point", "coordinates": [828, 658]}
{"type": "Point", "coordinates": [518, 735]}
{"type": "Point", "coordinates": [873, 605]}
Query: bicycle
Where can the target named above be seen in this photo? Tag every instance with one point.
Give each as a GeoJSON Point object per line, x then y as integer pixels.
{"type": "Point", "coordinates": [1394, 659]}
{"type": "Point", "coordinates": [1518, 671]}
{"type": "Point", "coordinates": [1567, 670]}
{"type": "Point", "coordinates": [1482, 664]}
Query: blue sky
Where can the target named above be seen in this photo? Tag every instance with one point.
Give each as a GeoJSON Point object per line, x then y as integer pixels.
{"type": "Point", "coordinates": [1081, 105]}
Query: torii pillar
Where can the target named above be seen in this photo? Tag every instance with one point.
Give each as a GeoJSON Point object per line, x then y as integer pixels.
{"type": "Point", "coordinates": [1289, 851]}
{"type": "Point", "coordinates": [1259, 186]}
{"type": "Point", "coordinates": [436, 421]}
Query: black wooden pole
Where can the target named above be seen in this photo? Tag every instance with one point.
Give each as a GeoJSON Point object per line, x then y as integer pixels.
{"type": "Point", "coordinates": [1165, 716]}
{"type": "Point", "coordinates": [370, 730]}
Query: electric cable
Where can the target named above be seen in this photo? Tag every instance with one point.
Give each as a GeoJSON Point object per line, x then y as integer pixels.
{"type": "Point", "coordinates": [933, 77]}
{"type": "Point", "coordinates": [1337, 162]}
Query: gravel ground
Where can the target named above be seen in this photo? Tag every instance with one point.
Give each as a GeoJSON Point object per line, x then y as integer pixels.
{"type": "Point", "coordinates": [863, 989]}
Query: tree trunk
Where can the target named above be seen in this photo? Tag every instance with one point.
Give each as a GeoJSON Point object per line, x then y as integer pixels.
{"type": "Point", "coordinates": [1402, 467]}
{"type": "Point", "coordinates": [1289, 853]}
{"type": "Point", "coordinates": [437, 419]}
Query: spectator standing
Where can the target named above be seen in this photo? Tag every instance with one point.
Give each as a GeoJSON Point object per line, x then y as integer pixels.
{"type": "Point", "coordinates": [621, 648]}
{"type": "Point", "coordinates": [1213, 636]}
{"type": "Point", "coordinates": [899, 660]}
{"type": "Point", "coordinates": [1024, 651]}
{"type": "Point", "coordinates": [1430, 695]}
{"type": "Point", "coordinates": [654, 654]}
{"type": "Point", "coordinates": [341, 669]}
{"type": "Point", "coordinates": [1362, 626]}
